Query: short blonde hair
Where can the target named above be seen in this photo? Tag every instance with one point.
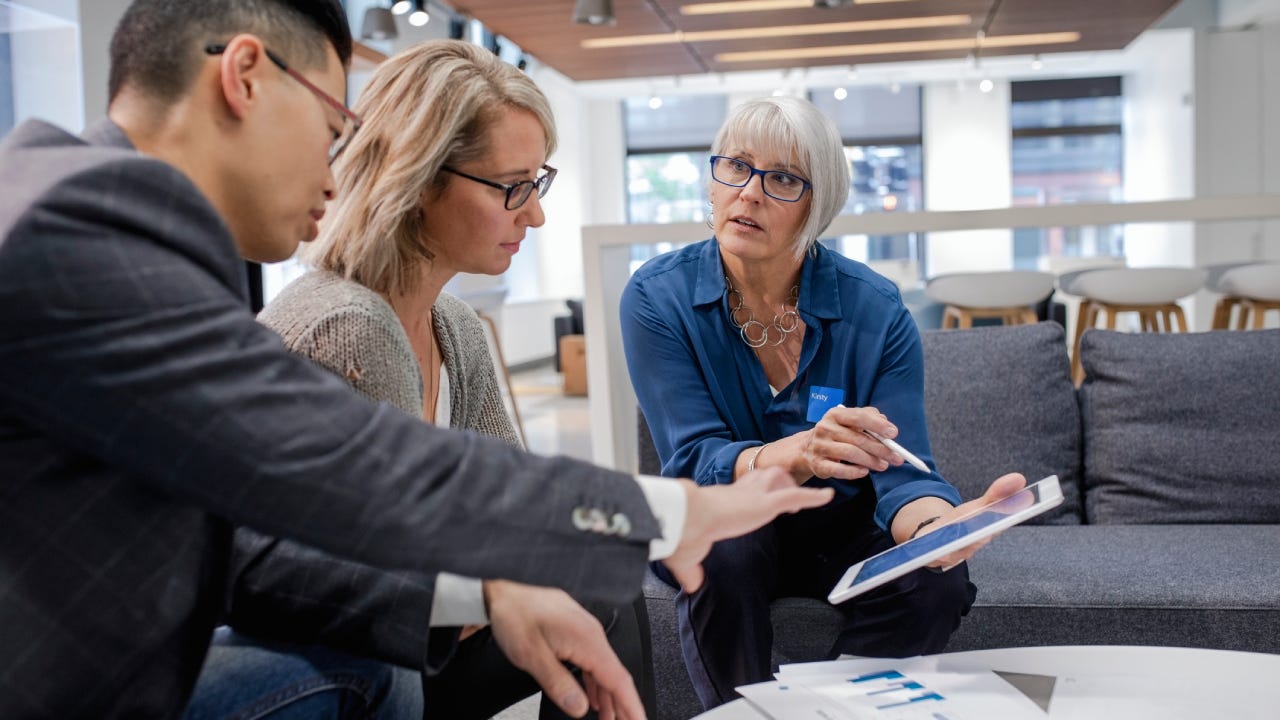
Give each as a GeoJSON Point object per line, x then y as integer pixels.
{"type": "Point", "coordinates": [428, 106]}
{"type": "Point", "coordinates": [808, 139]}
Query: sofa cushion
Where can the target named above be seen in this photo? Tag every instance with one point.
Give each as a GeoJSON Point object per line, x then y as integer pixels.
{"type": "Point", "coordinates": [1182, 427]}
{"type": "Point", "coordinates": [1000, 400]}
{"type": "Point", "coordinates": [1210, 586]}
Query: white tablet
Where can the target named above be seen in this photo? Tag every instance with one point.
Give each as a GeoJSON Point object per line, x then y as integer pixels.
{"type": "Point", "coordinates": [924, 549]}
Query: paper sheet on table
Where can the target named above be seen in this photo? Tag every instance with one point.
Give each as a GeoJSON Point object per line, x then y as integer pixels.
{"type": "Point", "coordinates": [890, 692]}
{"type": "Point", "coordinates": [1037, 688]}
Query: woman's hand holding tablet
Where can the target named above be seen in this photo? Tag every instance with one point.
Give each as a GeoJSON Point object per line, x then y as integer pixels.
{"type": "Point", "coordinates": [973, 527]}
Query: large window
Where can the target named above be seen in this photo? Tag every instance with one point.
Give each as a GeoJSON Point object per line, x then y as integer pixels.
{"type": "Point", "coordinates": [1067, 148]}
{"type": "Point", "coordinates": [881, 129]}
{"type": "Point", "coordinates": [668, 160]}
{"type": "Point", "coordinates": [668, 145]}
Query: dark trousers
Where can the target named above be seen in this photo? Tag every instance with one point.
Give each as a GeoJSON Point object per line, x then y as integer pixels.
{"type": "Point", "coordinates": [725, 631]}
{"type": "Point", "coordinates": [479, 681]}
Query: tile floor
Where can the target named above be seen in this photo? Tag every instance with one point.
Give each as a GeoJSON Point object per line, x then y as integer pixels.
{"type": "Point", "coordinates": [554, 424]}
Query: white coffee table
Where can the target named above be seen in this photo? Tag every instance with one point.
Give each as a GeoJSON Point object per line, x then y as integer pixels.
{"type": "Point", "coordinates": [1124, 682]}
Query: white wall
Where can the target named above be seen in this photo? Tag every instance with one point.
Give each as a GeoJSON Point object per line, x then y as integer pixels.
{"type": "Point", "coordinates": [48, 83]}
{"type": "Point", "coordinates": [967, 167]}
{"type": "Point", "coordinates": [1159, 141]}
{"type": "Point", "coordinates": [45, 52]}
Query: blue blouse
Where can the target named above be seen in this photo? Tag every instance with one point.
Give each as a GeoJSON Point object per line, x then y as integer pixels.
{"type": "Point", "coordinates": [704, 392]}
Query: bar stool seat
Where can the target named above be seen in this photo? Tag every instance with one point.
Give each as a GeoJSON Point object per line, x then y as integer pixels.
{"type": "Point", "coordinates": [1009, 295]}
{"type": "Point", "coordinates": [1152, 293]}
{"type": "Point", "coordinates": [1255, 287]}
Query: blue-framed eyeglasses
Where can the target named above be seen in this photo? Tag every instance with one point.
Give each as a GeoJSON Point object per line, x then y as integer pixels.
{"type": "Point", "coordinates": [350, 121]}
{"type": "Point", "coordinates": [517, 193]}
{"type": "Point", "coordinates": [776, 184]}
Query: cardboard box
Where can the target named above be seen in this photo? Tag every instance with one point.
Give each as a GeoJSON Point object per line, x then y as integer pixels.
{"type": "Point", "coordinates": [573, 363]}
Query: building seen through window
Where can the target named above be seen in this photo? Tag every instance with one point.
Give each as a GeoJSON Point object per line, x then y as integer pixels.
{"type": "Point", "coordinates": [1068, 147]}
{"type": "Point", "coordinates": [668, 160]}
{"type": "Point", "coordinates": [881, 129]}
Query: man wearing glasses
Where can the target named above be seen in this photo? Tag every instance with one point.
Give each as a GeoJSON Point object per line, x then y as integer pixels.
{"type": "Point", "coordinates": [143, 410]}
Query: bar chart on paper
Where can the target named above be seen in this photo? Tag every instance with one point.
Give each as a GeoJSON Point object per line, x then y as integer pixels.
{"type": "Point", "coordinates": [891, 694]}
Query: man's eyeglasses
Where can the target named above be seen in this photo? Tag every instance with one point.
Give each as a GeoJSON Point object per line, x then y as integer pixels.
{"type": "Point", "coordinates": [350, 121]}
{"type": "Point", "coordinates": [776, 184]}
{"type": "Point", "coordinates": [518, 193]}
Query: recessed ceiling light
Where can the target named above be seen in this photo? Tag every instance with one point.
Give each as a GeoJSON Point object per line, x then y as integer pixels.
{"type": "Point", "coordinates": [717, 8]}
{"type": "Point", "coordinates": [895, 48]}
{"type": "Point", "coordinates": [780, 31]}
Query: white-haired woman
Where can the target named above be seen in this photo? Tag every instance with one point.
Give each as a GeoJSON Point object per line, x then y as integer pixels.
{"type": "Point", "coordinates": [760, 347]}
{"type": "Point", "coordinates": [444, 176]}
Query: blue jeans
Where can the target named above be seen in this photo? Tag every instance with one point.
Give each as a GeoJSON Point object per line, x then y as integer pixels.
{"type": "Point", "coordinates": [245, 679]}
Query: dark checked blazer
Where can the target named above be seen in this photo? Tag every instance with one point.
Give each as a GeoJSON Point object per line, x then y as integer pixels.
{"type": "Point", "coordinates": [143, 410]}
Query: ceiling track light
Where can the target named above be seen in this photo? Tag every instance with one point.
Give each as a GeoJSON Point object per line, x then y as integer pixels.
{"type": "Point", "coordinates": [379, 24]}
{"type": "Point", "coordinates": [593, 12]}
{"type": "Point", "coordinates": [400, 7]}
{"type": "Point", "coordinates": [419, 16]}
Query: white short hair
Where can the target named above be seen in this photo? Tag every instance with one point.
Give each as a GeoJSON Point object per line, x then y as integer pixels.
{"type": "Point", "coordinates": [798, 131]}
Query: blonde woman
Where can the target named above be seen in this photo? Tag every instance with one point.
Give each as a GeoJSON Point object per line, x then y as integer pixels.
{"type": "Point", "coordinates": [444, 176]}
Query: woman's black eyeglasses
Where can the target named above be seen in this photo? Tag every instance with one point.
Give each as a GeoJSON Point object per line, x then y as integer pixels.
{"type": "Point", "coordinates": [776, 184]}
{"type": "Point", "coordinates": [350, 121]}
{"type": "Point", "coordinates": [518, 193]}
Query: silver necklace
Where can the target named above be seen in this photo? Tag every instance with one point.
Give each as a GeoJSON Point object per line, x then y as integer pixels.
{"type": "Point", "coordinates": [755, 333]}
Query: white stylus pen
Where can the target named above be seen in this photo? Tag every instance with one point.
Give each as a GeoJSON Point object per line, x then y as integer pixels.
{"type": "Point", "coordinates": [915, 462]}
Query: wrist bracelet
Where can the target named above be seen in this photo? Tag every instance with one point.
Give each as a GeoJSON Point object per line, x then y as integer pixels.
{"type": "Point", "coordinates": [922, 525]}
{"type": "Point", "coordinates": [751, 464]}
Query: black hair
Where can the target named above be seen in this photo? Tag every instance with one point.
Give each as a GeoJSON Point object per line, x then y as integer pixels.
{"type": "Point", "coordinates": [159, 44]}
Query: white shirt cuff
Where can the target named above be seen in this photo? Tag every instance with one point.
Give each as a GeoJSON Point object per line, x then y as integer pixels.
{"type": "Point", "coordinates": [666, 498]}
{"type": "Point", "coordinates": [457, 601]}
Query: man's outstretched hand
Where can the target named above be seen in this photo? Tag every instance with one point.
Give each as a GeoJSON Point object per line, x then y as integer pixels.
{"type": "Point", "coordinates": [539, 629]}
{"type": "Point", "coordinates": [721, 512]}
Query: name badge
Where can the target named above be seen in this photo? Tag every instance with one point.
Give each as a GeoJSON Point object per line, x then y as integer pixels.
{"type": "Point", "coordinates": [822, 399]}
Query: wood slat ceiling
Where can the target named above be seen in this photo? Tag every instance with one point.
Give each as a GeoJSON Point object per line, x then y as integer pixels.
{"type": "Point", "coordinates": [544, 29]}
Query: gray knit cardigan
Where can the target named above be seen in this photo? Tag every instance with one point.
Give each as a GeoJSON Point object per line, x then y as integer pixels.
{"type": "Point", "coordinates": [353, 332]}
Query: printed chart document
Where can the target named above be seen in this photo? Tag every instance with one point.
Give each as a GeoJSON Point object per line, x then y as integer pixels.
{"type": "Point", "coordinates": [910, 689]}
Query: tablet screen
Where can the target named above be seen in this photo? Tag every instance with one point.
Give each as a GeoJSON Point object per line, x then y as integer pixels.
{"type": "Point", "coordinates": [901, 559]}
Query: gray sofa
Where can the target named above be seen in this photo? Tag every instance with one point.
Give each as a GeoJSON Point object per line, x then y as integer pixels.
{"type": "Point", "coordinates": [1169, 458]}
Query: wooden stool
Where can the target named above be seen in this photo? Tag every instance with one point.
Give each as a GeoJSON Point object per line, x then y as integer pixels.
{"type": "Point", "coordinates": [1254, 288]}
{"type": "Point", "coordinates": [1150, 292]}
{"type": "Point", "coordinates": [1256, 309]}
{"type": "Point", "coordinates": [1222, 313]}
{"type": "Point", "coordinates": [1229, 302]}
{"type": "Point", "coordinates": [1009, 296]}
{"type": "Point", "coordinates": [955, 316]}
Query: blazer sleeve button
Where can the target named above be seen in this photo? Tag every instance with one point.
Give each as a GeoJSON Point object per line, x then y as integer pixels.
{"type": "Point", "coordinates": [620, 525]}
